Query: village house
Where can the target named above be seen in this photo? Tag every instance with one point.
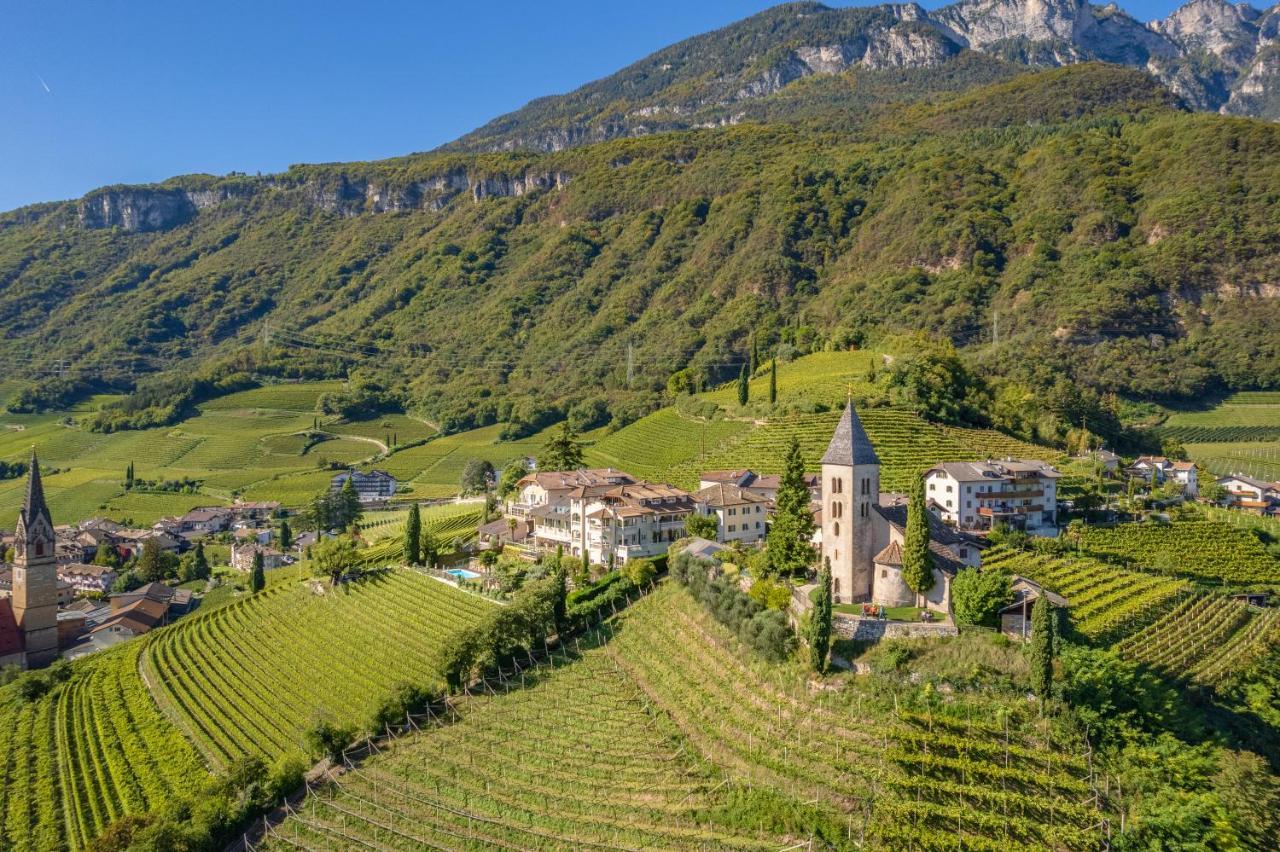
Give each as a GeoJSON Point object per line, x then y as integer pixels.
{"type": "Point", "coordinates": [1184, 473]}
{"type": "Point", "coordinates": [764, 485]}
{"type": "Point", "coordinates": [863, 530]}
{"type": "Point", "coordinates": [255, 512]}
{"type": "Point", "coordinates": [1250, 494]}
{"type": "Point", "coordinates": [1015, 619]}
{"type": "Point", "coordinates": [371, 487]}
{"type": "Point", "coordinates": [87, 578]}
{"type": "Point", "coordinates": [205, 521]}
{"type": "Point", "coordinates": [976, 495]}
{"type": "Point", "coordinates": [242, 556]}
{"type": "Point", "coordinates": [741, 515]}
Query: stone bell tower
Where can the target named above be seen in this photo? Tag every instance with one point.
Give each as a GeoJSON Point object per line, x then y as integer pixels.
{"type": "Point", "coordinates": [850, 491]}
{"type": "Point", "coordinates": [35, 575]}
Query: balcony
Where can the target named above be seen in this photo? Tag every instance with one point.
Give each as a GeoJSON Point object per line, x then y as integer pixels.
{"type": "Point", "coordinates": [1028, 494]}
{"type": "Point", "coordinates": [1001, 511]}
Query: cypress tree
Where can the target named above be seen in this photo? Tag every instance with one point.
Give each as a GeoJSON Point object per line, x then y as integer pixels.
{"type": "Point", "coordinates": [755, 355]}
{"type": "Point", "coordinates": [200, 561]}
{"type": "Point", "coordinates": [743, 388]}
{"type": "Point", "coordinates": [257, 577]}
{"type": "Point", "coordinates": [788, 546]}
{"type": "Point", "coordinates": [413, 536]}
{"type": "Point", "coordinates": [773, 381]}
{"type": "Point", "coordinates": [562, 586]}
{"type": "Point", "coordinates": [917, 566]}
{"type": "Point", "coordinates": [1042, 647]}
{"type": "Point", "coordinates": [286, 535]}
{"type": "Point", "coordinates": [820, 620]}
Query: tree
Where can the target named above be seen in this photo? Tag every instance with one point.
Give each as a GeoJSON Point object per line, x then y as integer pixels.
{"type": "Point", "coordinates": [702, 526]}
{"type": "Point", "coordinates": [744, 388]}
{"type": "Point", "coordinates": [1041, 649]}
{"type": "Point", "coordinates": [476, 476]}
{"type": "Point", "coordinates": [199, 563]}
{"type": "Point", "coordinates": [413, 536]}
{"type": "Point", "coordinates": [334, 557]}
{"type": "Point", "coordinates": [428, 549]}
{"type": "Point", "coordinates": [286, 535]}
{"type": "Point", "coordinates": [917, 563]}
{"type": "Point", "coordinates": [788, 545]}
{"type": "Point", "coordinates": [560, 579]}
{"type": "Point", "coordinates": [128, 476]}
{"type": "Point", "coordinates": [352, 511]}
{"type": "Point", "coordinates": [755, 355]}
{"type": "Point", "coordinates": [820, 620]}
{"type": "Point", "coordinates": [511, 476]}
{"type": "Point", "coordinates": [107, 556]}
{"type": "Point", "coordinates": [257, 576]}
{"type": "Point", "coordinates": [1210, 490]}
{"type": "Point", "coordinates": [773, 381]}
{"type": "Point", "coordinates": [153, 564]}
{"type": "Point", "coordinates": [977, 596]}
{"type": "Point", "coordinates": [562, 452]}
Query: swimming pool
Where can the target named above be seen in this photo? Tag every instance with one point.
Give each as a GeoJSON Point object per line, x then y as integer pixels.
{"type": "Point", "coordinates": [463, 574]}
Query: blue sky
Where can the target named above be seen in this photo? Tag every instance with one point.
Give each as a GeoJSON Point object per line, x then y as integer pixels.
{"type": "Point", "coordinates": [110, 91]}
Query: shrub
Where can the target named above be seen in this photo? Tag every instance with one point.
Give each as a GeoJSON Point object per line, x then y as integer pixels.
{"type": "Point", "coordinates": [977, 596]}
{"type": "Point", "coordinates": [765, 631]}
{"type": "Point", "coordinates": [328, 739]}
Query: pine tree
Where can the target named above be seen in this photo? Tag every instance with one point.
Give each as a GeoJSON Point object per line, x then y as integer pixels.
{"type": "Point", "coordinates": [773, 382]}
{"type": "Point", "coordinates": [257, 578]}
{"type": "Point", "coordinates": [286, 535]}
{"type": "Point", "coordinates": [788, 546]}
{"type": "Point", "coordinates": [1042, 647]}
{"type": "Point", "coordinates": [744, 389]}
{"type": "Point", "coordinates": [413, 536]}
{"type": "Point", "coordinates": [820, 620]}
{"type": "Point", "coordinates": [917, 564]}
{"type": "Point", "coordinates": [562, 451]}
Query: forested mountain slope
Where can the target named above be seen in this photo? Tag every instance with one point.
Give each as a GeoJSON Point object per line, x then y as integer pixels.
{"type": "Point", "coordinates": [1104, 233]}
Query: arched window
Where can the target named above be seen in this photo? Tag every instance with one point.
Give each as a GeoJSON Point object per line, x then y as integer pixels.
{"type": "Point", "coordinates": [835, 528]}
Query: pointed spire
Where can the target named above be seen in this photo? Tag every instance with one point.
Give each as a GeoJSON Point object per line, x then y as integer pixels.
{"type": "Point", "coordinates": [850, 444]}
{"type": "Point", "coordinates": [33, 505]}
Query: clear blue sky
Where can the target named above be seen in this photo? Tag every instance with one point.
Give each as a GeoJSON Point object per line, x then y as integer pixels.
{"type": "Point", "coordinates": [139, 90]}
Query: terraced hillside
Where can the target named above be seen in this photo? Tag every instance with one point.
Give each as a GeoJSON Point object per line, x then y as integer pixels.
{"type": "Point", "coordinates": [93, 749]}
{"type": "Point", "coordinates": [1241, 435]}
{"type": "Point", "coordinates": [683, 737]}
{"type": "Point", "coordinates": [249, 678]}
{"type": "Point", "coordinates": [1208, 551]}
{"type": "Point", "coordinates": [1167, 623]}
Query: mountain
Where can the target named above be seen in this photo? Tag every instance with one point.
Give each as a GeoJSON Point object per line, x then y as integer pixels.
{"type": "Point", "coordinates": [1216, 56]}
{"type": "Point", "coordinates": [1110, 235]}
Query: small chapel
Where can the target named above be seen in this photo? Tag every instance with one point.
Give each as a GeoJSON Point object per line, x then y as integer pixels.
{"type": "Point", "coordinates": [29, 618]}
{"type": "Point", "coordinates": [863, 529]}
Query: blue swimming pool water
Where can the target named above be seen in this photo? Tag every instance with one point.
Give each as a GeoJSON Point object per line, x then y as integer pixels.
{"type": "Point", "coordinates": [463, 574]}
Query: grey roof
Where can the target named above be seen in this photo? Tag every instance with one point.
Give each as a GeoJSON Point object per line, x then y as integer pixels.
{"type": "Point", "coordinates": [850, 444]}
{"type": "Point", "coordinates": [33, 506]}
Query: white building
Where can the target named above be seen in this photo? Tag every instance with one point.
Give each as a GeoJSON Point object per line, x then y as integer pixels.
{"type": "Point", "coordinates": [1184, 473]}
{"type": "Point", "coordinates": [1249, 493]}
{"type": "Point", "coordinates": [975, 495]}
{"type": "Point", "coordinates": [371, 487]}
{"type": "Point", "coordinates": [740, 514]}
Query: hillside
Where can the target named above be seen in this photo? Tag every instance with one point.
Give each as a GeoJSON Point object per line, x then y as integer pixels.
{"type": "Point", "coordinates": [508, 287]}
{"type": "Point", "coordinates": [791, 60]}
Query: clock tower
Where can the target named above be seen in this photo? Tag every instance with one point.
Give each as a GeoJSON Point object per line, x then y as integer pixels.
{"type": "Point", "coordinates": [35, 575]}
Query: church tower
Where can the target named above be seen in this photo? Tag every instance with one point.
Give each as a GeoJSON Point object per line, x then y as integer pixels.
{"type": "Point", "coordinates": [850, 491]}
{"type": "Point", "coordinates": [35, 575]}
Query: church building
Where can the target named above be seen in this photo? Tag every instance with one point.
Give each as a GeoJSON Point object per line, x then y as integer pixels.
{"type": "Point", "coordinates": [29, 619]}
{"type": "Point", "coordinates": [863, 529]}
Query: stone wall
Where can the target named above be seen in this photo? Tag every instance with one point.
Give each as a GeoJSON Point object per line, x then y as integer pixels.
{"type": "Point", "coordinates": [873, 629]}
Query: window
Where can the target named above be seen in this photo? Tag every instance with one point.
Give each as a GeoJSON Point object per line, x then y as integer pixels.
{"type": "Point", "coordinates": [948, 489]}
{"type": "Point", "coordinates": [835, 528]}
{"type": "Point", "coordinates": [864, 510]}
{"type": "Point", "coordinates": [933, 486]}
{"type": "Point", "coordinates": [866, 486]}
{"type": "Point", "coordinates": [732, 528]}
{"type": "Point", "coordinates": [884, 573]}
{"type": "Point", "coordinates": [837, 486]}
{"type": "Point", "coordinates": [948, 504]}
{"type": "Point", "coordinates": [835, 557]}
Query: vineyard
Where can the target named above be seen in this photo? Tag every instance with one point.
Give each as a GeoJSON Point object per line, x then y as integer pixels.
{"type": "Point", "coordinates": [1208, 551]}
{"type": "Point", "coordinates": [1162, 622]}
{"type": "Point", "coordinates": [823, 378]}
{"type": "Point", "coordinates": [658, 730]}
{"type": "Point", "coordinates": [654, 445]}
{"type": "Point", "coordinates": [249, 678]}
{"type": "Point", "coordinates": [1254, 459]}
{"type": "Point", "coordinates": [93, 749]}
{"type": "Point", "coordinates": [447, 523]}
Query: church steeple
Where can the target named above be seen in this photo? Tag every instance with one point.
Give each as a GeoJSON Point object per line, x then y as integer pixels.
{"type": "Point", "coordinates": [35, 575]}
{"type": "Point", "coordinates": [33, 505]}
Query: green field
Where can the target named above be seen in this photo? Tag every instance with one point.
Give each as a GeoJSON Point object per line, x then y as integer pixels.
{"type": "Point", "coordinates": [1207, 551]}
{"type": "Point", "coordinates": [251, 677]}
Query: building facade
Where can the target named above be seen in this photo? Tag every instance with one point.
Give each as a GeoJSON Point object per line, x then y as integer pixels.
{"type": "Point", "coordinates": [35, 576]}
{"type": "Point", "coordinates": [741, 515]}
{"type": "Point", "coordinates": [372, 487]}
{"type": "Point", "coordinates": [1021, 493]}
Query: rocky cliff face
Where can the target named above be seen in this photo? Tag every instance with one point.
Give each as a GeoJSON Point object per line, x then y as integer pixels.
{"type": "Point", "coordinates": [1216, 55]}
{"type": "Point", "coordinates": [156, 208]}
